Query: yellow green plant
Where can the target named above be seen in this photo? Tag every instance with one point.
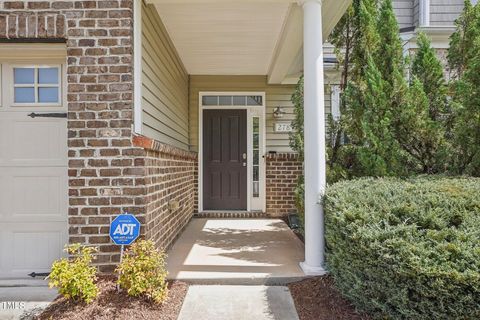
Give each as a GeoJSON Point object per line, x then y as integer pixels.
{"type": "Point", "coordinates": [75, 277]}
{"type": "Point", "coordinates": [142, 271]}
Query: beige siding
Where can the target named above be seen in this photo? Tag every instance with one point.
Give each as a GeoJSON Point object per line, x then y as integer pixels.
{"type": "Point", "coordinates": [164, 84]}
{"type": "Point", "coordinates": [404, 11]}
{"type": "Point", "coordinates": [276, 96]}
{"type": "Point", "coordinates": [444, 12]}
{"type": "Point", "coordinates": [416, 12]}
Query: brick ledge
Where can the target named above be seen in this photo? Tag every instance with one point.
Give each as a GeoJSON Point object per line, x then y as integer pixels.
{"type": "Point", "coordinates": [154, 145]}
{"type": "Point", "coordinates": [282, 155]}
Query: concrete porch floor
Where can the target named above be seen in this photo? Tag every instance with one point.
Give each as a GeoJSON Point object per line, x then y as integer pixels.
{"type": "Point", "coordinates": [236, 252]}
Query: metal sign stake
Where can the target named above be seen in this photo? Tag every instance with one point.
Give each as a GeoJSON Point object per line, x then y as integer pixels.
{"type": "Point", "coordinates": [124, 230]}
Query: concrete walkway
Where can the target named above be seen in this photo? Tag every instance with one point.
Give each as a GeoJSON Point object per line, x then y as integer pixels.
{"type": "Point", "coordinates": [238, 303]}
{"type": "Point", "coordinates": [236, 252]}
{"type": "Point", "coordinates": [23, 299]}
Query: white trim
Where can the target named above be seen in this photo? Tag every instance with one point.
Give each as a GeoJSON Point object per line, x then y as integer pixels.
{"type": "Point", "coordinates": [424, 13]}
{"type": "Point", "coordinates": [258, 111]}
{"type": "Point", "coordinates": [137, 66]}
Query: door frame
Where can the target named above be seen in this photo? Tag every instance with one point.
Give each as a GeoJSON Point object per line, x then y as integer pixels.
{"type": "Point", "coordinates": [257, 204]}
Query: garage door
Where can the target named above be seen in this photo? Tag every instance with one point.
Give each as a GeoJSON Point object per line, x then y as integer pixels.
{"type": "Point", "coordinates": [33, 168]}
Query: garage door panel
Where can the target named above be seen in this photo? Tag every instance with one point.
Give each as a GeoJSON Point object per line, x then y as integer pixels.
{"type": "Point", "coordinates": [35, 194]}
{"type": "Point", "coordinates": [3, 139]}
{"type": "Point", "coordinates": [34, 250]}
{"type": "Point", "coordinates": [38, 142]}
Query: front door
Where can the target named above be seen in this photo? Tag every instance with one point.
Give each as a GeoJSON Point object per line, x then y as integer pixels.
{"type": "Point", "coordinates": [225, 159]}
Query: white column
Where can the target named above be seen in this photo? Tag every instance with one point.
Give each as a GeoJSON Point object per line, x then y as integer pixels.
{"type": "Point", "coordinates": [424, 13]}
{"type": "Point", "coordinates": [315, 159]}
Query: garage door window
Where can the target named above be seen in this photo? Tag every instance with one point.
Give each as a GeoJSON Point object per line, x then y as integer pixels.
{"type": "Point", "coordinates": [36, 85]}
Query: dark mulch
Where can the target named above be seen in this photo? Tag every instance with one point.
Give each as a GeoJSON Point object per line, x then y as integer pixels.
{"type": "Point", "coordinates": [111, 304]}
{"type": "Point", "coordinates": [317, 299]}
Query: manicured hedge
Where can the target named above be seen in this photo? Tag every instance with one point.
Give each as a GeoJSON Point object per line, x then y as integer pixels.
{"type": "Point", "coordinates": [406, 249]}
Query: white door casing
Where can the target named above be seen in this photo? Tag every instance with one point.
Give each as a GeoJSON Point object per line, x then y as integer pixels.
{"type": "Point", "coordinates": [33, 179]}
{"type": "Point", "coordinates": [253, 203]}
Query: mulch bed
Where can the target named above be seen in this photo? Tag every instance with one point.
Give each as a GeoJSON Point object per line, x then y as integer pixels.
{"type": "Point", "coordinates": [111, 304]}
{"type": "Point", "coordinates": [317, 299]}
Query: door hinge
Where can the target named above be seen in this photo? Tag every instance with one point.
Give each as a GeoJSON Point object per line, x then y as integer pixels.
{"type": "Point", "coordinates": [48, 115]}
{"type": "Point", "coordinates": [40, 274]}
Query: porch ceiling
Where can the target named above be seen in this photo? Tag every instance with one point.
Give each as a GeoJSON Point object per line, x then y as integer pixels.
{"type": "Point", "coordinates": [242, 37]}
{"type": "Point", "coordinates": [224, 38]}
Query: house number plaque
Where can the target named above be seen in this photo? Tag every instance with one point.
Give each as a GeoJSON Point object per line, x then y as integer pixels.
{"type": "Point", "coordinates": [283, 127]}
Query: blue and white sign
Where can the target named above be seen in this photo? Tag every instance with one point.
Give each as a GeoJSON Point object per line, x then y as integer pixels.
{"type": "Point", "coordinates": [124, 229]}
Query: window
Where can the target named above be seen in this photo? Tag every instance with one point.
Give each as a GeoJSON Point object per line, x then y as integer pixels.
{"type": "Point", "coordinates": [233, 100]}
{"type": "Point", "coordinates": [36, 85]}
{"type": "Point", "coordinates": [336, 100]}
{"type": "Point", "coordinates": [256, 157]}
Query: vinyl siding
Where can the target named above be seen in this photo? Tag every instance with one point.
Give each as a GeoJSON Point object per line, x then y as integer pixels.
{"type": "Point", "coordinates": [444, 12]}
{"type": "Point", "coordinates": [416, 13]}
{"type": "Point", "coordinates": [276, 96]}
{"type": "Point", "coordinates": [404, 11]}
{"type": "Point", "coordinates": [164, 84]}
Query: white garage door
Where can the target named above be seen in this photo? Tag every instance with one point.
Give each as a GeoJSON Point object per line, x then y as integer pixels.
{"type": "Point", "coordinates": [33, 168]}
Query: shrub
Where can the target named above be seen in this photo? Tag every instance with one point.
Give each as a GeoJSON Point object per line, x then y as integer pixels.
{"type": "Point", "coordinates": [75, 278]}
{"type": "Point", "coordinates": [143, 272]}
{"type": "Point", "coordinates": [406, 249]}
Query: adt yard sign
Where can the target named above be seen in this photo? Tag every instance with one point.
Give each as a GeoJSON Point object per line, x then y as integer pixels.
{"type": "Point", "coordinates": [124, 229]}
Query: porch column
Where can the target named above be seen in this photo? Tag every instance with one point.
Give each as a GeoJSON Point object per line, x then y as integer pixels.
{"type": "Point", "coordinates": [315, 159]}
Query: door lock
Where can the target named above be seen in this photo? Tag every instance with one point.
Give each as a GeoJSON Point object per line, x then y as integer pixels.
{"type": "Point", "coordinates": [244, 156]}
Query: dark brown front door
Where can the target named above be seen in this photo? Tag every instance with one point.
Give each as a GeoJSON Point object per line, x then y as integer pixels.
{"type": "Point", "coordinates": [224, 159]}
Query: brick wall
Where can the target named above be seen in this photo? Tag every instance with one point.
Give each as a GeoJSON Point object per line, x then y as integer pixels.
{"type": "Point", "coordinates": [170, 182]}
{"type": "Point", "coordinates": [283, 170]}
{"type": "Point", "coordinates": [106, 173]}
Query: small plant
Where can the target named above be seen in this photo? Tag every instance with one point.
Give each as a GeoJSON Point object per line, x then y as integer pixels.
{"type": "Point", "coordinates": [75, 277]}
{"type": "Point", "coordinates": [143, 272]}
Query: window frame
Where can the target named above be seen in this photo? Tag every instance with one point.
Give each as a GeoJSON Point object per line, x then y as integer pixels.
{"type": "Point", "coordinates": [36, 85]}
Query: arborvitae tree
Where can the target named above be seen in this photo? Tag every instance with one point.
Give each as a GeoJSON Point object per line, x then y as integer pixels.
{"type": "Point", "coordinates": [388, 55]}
{"type": "Point", "coordinates": [366, 42]}
{"type": "Point", "coordinates": [464, 59]}
{"type": "Point", "coordinates": [343, 38]}
{"type": "Point", "coordinates": [354, 32]}
{"type": "Point", "coordinates": [428, 69]}
{"type": "Point", "coordinates": [421, 125]}
{"type": "Point", "coordinates": [419, 135]}
{"type": "Point", "coordinates": [462, 42]}
{"type": "Point", "coordinates": [375, 91]}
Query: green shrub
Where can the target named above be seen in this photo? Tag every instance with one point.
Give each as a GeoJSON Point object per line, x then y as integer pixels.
{"type": "Point", "coordinates": [75, 278]}
{"type": "Point", "coordinates": [143, 272]}
{"type": "Point", "coordinates": [406, 249]}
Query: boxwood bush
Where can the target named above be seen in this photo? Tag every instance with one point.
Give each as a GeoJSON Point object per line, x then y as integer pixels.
{"type": "Point", "coordinates": [406, 249]}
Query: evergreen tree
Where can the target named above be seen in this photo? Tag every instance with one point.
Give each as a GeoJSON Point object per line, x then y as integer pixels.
{"type": "Point", "coordinates": [428, 69]}
{"type": "Point", "coordinates": [422, 117]}
{"type": "Point", "coordinates": [376, 91]}
{"type": "Point", "coordinates": [422, 137]}
{"type": "Point", "coordinates": [462, 42]}
{"type": "Point", "coordinates": [464, 59]}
